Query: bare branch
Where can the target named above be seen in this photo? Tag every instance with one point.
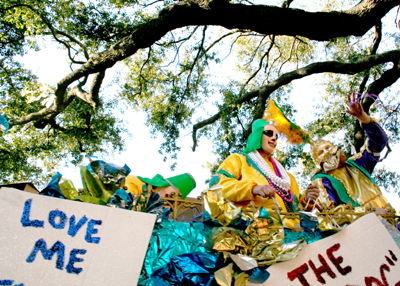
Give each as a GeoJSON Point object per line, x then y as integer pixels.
{"type": "Point", "coordinates": [262, 93]}
{"type": "Point", "coordinates": [374, 47]}
{"type": "Point", "coordinates": [266, 54]}
{"type": "Point", "coordinates": [288, 58]}
{"type": "Point", "coordinates": [389, 150]}
{"type": "Point", "coordinates": [256, 50]}
{"type": "Point", "coordinates": [180, 42]}
{"type": "Point", "coordinates": [198, 55]}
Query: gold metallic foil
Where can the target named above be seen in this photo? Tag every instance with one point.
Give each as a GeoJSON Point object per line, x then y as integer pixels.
{"type": "Point", "coordinates": [241, 279]}
{"type": "Point", "coordinates": [262, 241]}
{"type": "Point", "coordinates": [222, 210]}
{"type": "Point", "coordinates": [227, 239]}
{"type": "Point", "coordinates": [288, 252]}
{"type": "Point", "coordinates": [223, 276]}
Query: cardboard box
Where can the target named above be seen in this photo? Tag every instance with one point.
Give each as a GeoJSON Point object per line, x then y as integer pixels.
{"type": "Point", "coordinates": [363, 253]}
{"type": "Point", "coordinates": [51, 241]}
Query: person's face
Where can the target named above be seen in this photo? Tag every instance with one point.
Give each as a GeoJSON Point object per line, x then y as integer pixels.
{"type": "Point", "coordinates": [268, 139]}
{"type": "Point", "coordinates": [164, 191]}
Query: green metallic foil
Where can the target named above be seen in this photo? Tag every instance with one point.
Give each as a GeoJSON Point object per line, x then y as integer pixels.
{"type": "Point", "coordinates": [93, 186]}
{"type": "Point", "coordinates": [68, 189]}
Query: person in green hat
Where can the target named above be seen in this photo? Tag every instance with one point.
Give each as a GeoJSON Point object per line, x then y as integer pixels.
{"type": "Point", "coordinates": [254, 175]}
{"type": "Point", "coordinates": [184, 183]}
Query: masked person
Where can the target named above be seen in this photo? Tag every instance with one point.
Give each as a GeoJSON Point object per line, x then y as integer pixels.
{"type": "Point", "coordinates": [254, 175]}
{"type": "Point", "coordinates": [343, 181]}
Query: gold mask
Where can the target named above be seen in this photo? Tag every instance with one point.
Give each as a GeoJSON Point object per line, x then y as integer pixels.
{"type": "Point", "coordinates": [322, 150]}
{"type": "Point", "coordinates": [332, 162]}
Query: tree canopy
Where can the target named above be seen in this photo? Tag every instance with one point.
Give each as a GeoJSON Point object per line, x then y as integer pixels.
{"type": "Point", "coordinates": [173, 53]}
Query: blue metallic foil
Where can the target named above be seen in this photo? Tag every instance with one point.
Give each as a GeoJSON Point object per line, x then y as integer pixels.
{"type": "Point", "coordinates": [309, 237]}
{"type": "Point", "coordinates": [188, 269]}
{"type": "Point", "coordinates": [53, 189]}
{"type": "Point", "coordinates": [171, 239]}
{"type": "Point", "coordinates": [121, 199]}
{"type": "Point", "coordinates": [308, 221]}
{"type": "Point", "coordinates": [258, 275]}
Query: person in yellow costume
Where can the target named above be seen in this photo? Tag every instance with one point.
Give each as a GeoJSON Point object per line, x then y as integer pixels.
{"type": "Point", "coordinates": [345, 180]}
{"type": "Point", "coordinates": [254, 175]}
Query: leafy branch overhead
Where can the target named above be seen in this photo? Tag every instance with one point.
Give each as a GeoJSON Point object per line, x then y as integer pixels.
{"type": "Point", "coordinates": [258, 18]}
{"type": "Point", "coordinates": [172, 53]}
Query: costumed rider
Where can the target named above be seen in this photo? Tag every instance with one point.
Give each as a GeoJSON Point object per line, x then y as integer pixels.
{"type": "Point", "coordinates": [343, 181]}
{"type": "Point", "coordinates": [107, 183]}
{"type": "Point", "coordinates": [254, 175]}
{"type": "Point", "coordinates": [183, 183]}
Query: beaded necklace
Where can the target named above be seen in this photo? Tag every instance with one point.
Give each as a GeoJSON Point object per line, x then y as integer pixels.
{"type": "Point", "coordinates": [282, 180]}
{"type": "Point", "coordinates": [275, 179]}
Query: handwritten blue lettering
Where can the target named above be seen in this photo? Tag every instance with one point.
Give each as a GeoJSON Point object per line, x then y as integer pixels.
{"type": "Point", "coordinates": [9, 282]}
{"type": "Point", "coordinates": [26, 214]}
{"type": "Point", "coordinates": [73, 259]}
{"type": "Point", "coordinates": [61, 215]}
{"type": "Point", "coordinates": [73, 228]}
{"type": "Point", "coordinates": [40, 245]}
{"type": "Point", "coordinates": [91, 230]}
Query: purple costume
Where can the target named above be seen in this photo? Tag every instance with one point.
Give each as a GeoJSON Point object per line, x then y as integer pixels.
{"type": "Point", "coordinates": [377, 141]}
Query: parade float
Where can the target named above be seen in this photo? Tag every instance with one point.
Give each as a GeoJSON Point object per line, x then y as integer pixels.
{"type": "Point", "coordinates": [74, 237]}
{"type": "Point", "coordinates": [121, 229]}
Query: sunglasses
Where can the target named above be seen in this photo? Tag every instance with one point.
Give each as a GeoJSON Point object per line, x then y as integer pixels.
{"type": "Point", "coordinates": [270, 133]}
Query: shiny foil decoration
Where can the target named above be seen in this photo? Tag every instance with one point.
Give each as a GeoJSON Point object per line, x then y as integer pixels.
{"type": "Point", "coordinates": [262, 240]}
{"type": "Point", "coordinates": [227, 276]}
{"type": "Point", "coordinates": [244, 262]}
{"type": "Point", "coordinates": [339, 216]}
{"type": "Point", "coordinates": [227, 239]}
{"type": "Point", "coordinates": [171, 239]}
{"type": "Point", "coordinates": [223, 276]}
{"type": "Point", "coordinates": [68, 189]}
{"type": "Point", "coordinates": [308, 221]}
{"type": "Point", "coordinates": [288, 252]}
{"type": "Point", "coordinates": [222, 210]}
{"type": "Point", "coordinates": [265, 236]}
{"type": "Point", "coordinates": [188, 269]}
{"type": "Point", "coordinates": [241, 279]}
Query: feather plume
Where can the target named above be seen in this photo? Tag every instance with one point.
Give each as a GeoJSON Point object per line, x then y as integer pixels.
{"type": "Point", "coordinates": [275, 116]}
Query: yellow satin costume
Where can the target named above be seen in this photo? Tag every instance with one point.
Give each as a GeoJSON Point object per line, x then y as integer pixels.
{"type": "Point", "coordinates": [239, 189]}
{"type": "Point", "coordinates": [134, 185]}
{"type": "Point", "coordinates": [358, 187]}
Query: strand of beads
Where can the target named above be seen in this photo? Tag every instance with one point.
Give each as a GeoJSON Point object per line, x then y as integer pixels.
{"type": "Point", "coordinates": [283, 183]}
{"type": "Point", "coordinates": [286, 201]}
{"type": "Point", "coordinates": [281, 193]}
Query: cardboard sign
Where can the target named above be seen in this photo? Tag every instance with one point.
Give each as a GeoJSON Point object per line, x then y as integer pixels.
{"type": "Point", "coordinates": [50, 241]}
{"type": "Point", "coordinates": [361, 254]}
